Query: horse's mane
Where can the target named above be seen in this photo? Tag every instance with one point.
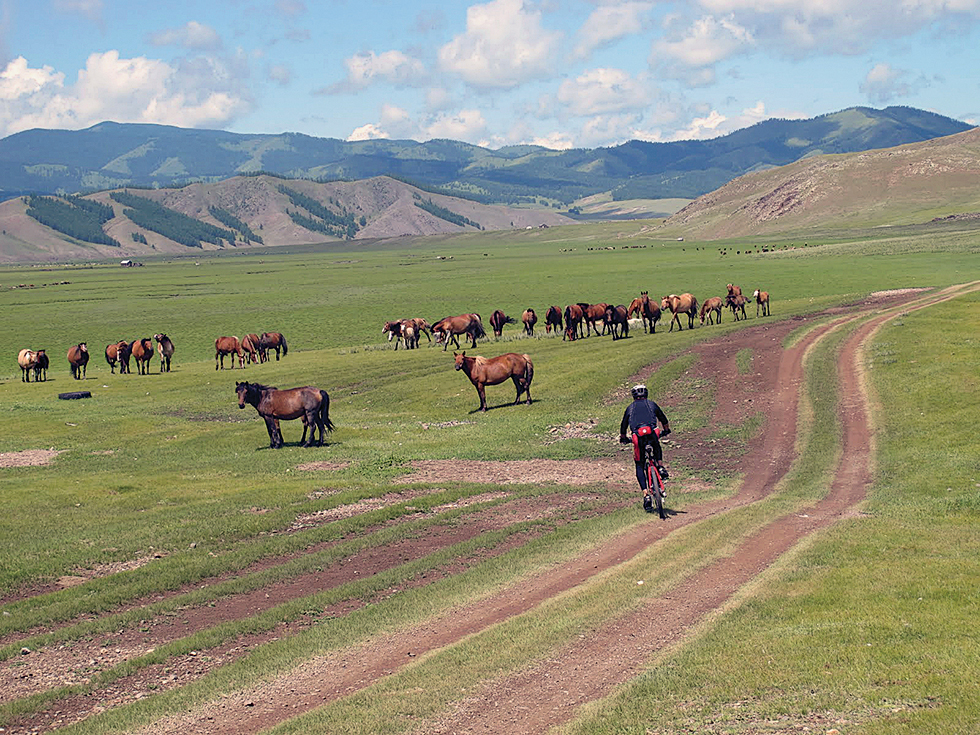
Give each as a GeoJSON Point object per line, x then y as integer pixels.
{"type": "Point", "coordinates": [260, 386]}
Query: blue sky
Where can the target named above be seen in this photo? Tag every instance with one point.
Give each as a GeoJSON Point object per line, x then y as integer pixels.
{"type": "Point", "coordinates": [559, 73]}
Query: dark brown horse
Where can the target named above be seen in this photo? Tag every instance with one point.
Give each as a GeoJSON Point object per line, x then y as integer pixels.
{"type": "Point", "coordinates": [737, 304]}
{"type": "Point", "coordinates": [552, 320]}
{"type": "Point", "coordinates": [593, 314]}
{"type": "Point", "coordinates": [307, 403]}
{"type": "Point", "coordinates": [165, 348]}
{"type": "Point", "coordinates": [228, 346]}
{"type": "Point", "coordinates": [617, 320]}
{"type": "Point", "coordinates": [41, 366]}
{"type": "Point", "coordinates": [574, 314]}
{"type": "Point", "coordinates": [78, 360]}
{"type": "Point", "coordinates": [497, 321]}
{"type": "Point", "coordinates": [142, 352]}
{"type": "Point", "coordinates": [683, 304]}
{"type": "Point", "coordinates": [761, 301]}
{"type": "Point", "coordinates": [710, 309]}
{"type": "Point", "coordinates": [484, 371]}
{"type": "Point", "coordinates": [648, 310]}
{"type": "Point", "coordinates": [118, 352]}
{"type": "Point", "coordinates": [273, 341]}
{"type": "Point", "coordinates": [452, 326]}
{"type": "Point", "coordinates": [529, 319]}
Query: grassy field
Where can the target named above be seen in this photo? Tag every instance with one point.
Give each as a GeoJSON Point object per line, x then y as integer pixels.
{"type": "Point", "coordinates": [168, 466]}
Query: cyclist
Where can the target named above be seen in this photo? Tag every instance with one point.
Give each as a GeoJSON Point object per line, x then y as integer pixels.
{"type": "Point", "coordinates": [641, 418]}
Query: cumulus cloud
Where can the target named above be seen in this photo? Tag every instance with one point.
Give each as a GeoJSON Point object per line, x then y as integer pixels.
{"type": "Point", "coordinates": [192, 35]}
{"type": "Point", "coordinates": [393, 67]}
{"type": "Point", "coordinates": [602, 91]}
{"type": "Point", "coordinates": [370, 131]}
{"type": "Point", "coordinates": [884, 83]}
{"type": "Point", "coordinates": [466, 125]}
{"type": "Point", "coordinates": [693, 54]}
{"type": "Point", "coordinates": [198, 92]}
{"type": "Point", "coordinates": [609, 22]}
{"type": "Point", "coordinates": [504, 45]}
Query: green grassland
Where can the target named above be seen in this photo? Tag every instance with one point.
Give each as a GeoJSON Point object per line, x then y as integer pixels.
{"type": "Point", "coordinates": [168, 465]}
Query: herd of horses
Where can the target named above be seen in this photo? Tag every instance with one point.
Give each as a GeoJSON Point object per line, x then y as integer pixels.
{"type": "Point", "coordinates": [252, 348]}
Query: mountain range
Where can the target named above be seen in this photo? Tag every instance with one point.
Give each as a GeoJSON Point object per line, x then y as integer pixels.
{"type": "Point", "coordinates": [112, 155]}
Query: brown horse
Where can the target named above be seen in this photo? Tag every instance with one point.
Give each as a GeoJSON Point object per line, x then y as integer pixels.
{"type": "Point", "coordinates": [27, 360]}
{"type": "Point", "coordinates": [552, 319]}
{"type": "Point", "coordinates": [228, 346]}
{"type": "Point", "coordinates": [451, 327]}
{"type": "Point", "coordinates": [142, 352]}
{"type": "Point", "coordinates": [574, 314]}
{"type": "Point", "coordinates": [497, 321]}
{"type": "Point", "coordinates": [683, 304]}
{"type": "Point", "coordinates": [118, 352]}
{"type": "Point", "coordinates": [308, 403]}
{"type": "Point", "coordinates": [421, 326]}
{"type": "Point", "coordinates": [648, 310]}
{"type": "Point", "coordinates": [737, 304]}
{"type": "Point", "coordinates": [78, 360]}
{"type": "Point", "coordinates": [165, 348]}
{"type": "Point", "coordinates": [250, 349]}
{"type": "Point", "coordinates": [617, 320]}
{"type": "Point", "coordinates": [711, 308]}
{"type": "Point", "coordinates": [273, 341]}
{"type": "Point", "coordinates": [592, 314]}
{"type": "Point", "coordinates": [733, 290]}
{"type": "Point", "coordinates": [483, 371]}
{"type": "Point", "coordinates": [529, 319]}
{"type": "Point", "coordinates": [761, 300]}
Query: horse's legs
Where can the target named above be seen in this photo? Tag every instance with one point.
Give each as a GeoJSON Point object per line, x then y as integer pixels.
{"type": "Point", "coordinates": [270, 425]}
{"type": "Point", "coordinates": [481, 390]}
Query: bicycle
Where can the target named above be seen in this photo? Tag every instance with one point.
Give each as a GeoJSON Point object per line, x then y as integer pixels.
{"type": "Point", "coordinates": [655, 484]}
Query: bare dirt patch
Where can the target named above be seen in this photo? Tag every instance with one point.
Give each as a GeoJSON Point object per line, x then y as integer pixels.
{"type": "Point", "coordinates": [604, 471]}
{"type": "Point", "coordinates": [28, 458]}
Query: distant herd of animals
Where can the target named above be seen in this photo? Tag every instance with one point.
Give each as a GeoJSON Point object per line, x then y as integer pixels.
{"type": "Point", "coordinates": [312, 405]}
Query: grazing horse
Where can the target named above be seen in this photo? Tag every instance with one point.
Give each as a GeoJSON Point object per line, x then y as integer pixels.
{"type": "Point", "coordinates": [308, 403]}
{"type": "Point", "coordinates": [273, 341]}
{"type": "Point", "coordinates": [251, 350]}
{"type": "Point", "coordinates": [647, 309]}
{"type": "Point", "coordinates": [711, 308]}
{"type": "Point", "coordinates": [27, 359]}
{"type": "Point", "coordinates": [484, 371]}
{"type": "Point", "coordinates": [165, 348]}
{"type": "Point", "coordinates": [41, 366]}
{"type": "Point", "coordinates": [118, 352]}
{"type": "Point", "coordinates": [552, 319]}
{"type": "Point", "coordinates": [497, 321]}
{"type": "Point", "coordinates": [142, 352]}
{"type": "Point", "coordinates": [529, 318]}
{"type": "Point", "coordinates": [761, 300]}
{"type": "Point", "coordinates": [78, 360]}
{"type": "Point", "coordinates": [617, 320]}
{"type": "Point", "coordinates": [737, 304]}
{"type": "Point", "coordinates": [592, 314]}
{"type": "Point", "coordinates": [574, 314]}
{"type": "Point", "coordinates": [421, 326]}
{"type": "Point", "coordinates": [228, 346]}
{"type": "Point", "coordinates": [683, 304]}
{"type": "Point", "coordinates": [451, 327]}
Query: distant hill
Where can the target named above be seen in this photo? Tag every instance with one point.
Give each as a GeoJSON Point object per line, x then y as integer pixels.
{"type": "Point", "coordinates": [111, 155]}
{"type": "Point", "coordinates": [908, 184]}
{"type": "Point", "coordinates": [241, 212]}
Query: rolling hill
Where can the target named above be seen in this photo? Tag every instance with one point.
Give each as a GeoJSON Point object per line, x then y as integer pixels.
{"type": "Point", "coordinates": [111, 155]}
{"type": "Point", "coordinates": [907, 184]}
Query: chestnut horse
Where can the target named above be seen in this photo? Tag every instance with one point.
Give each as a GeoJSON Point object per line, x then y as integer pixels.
{"type": "Point", "coordinates": [451, 327]}
{"type": "Point", "coordinates": [78, 360]}
{"type": "Point", "coordinates": [273, 341]}
{"type": "Point", "coordinates": [165, 348]}
{"type": "Point", "coordinates": [574, 314]}
{"type": "Point", "coordinates": [647, 309]}
{"type": "Point", "coordinates": [118, 352]}
{"type": "Point", "coordinates": [142, 352]}
{"type": "Point", "coordinates": [228, 346]}
{"type": "Point", "coordinates": [683, 304]}
{"type": "Point", "coordinates": [27, 359]}
{"type": "Point", "coordinates": [552, 319]}
{"type": "Point", "coordinates": [483, 371]}
{"type": "Point", "coordinates": [737, 304]}
{"type": "Point", "coordinates": [529, 318]}
{"type": "Point", "coordinates": [308, 403]}
{"type": "Point", "coordinates": [251, 350]}
{"type": "Point", "coordinates": [617, 320]}
{"type": "Point", "coordinates": [593, 314]}
{"type": "Point", "coordinates": [711, 308]}
{"type": "Point", "coordinates": [761, 300]}
{"type": "Point", "coordinates": [733, 290]}
{"type": "Point", "coordinates": [497, 321]}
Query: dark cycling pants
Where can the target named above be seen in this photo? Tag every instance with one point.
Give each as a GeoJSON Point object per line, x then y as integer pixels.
{"type": "Point", "coordinates": [658, 455]}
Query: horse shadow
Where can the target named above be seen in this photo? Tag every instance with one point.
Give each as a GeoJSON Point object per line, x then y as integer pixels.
{"type": "Point", "coordinates": [505, 404]}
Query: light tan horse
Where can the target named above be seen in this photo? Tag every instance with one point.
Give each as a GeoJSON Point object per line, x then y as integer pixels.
{"type": "Point", "coordinates": [484, 371]}
{"type": "Point", "coordinates": [711, 308]}
{"type": "Point", "coordinates": [228, 346]}
{"type": "Point", "coordinates": [529, 319]}
{"type": "Point", "coordinates": [761, 300]}
{"type": "Point", "coordinates": [27, 359]}
{"type": "Point", "coordinates": [683, 304]}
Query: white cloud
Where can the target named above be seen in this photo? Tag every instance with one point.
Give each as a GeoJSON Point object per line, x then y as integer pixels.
{"type": "Point", "coordinates": [196, 93]}
{"type": "Point", "coordinates": [556, 141]}
{"type": "Point", "coordinates": [467, 125]}
{"type": "Point", "coordinates": [280, 74]}
{"type": "Point", "coordinates": [370, 131]}
{"type": "Point", "coordinates": [438, 98]}
{"type": "Point", "coordinates": [693, 54]}
{"type": "Point", "coordinates": [504, 45]}
{"type": "Point", "coordinates": [600, 91]}
{"type": "Point", "coordinates": [609, 22]}
{"type": "Point", "coordinates": [393, 67]}
{"type": "Point", "coordinates": [884, 83]}
{"type": "Point", "coordinates": [192, 35]}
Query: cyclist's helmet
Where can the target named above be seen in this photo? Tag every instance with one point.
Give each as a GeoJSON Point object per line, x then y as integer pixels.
{"type": "Point", "coordinates": [639, 391]}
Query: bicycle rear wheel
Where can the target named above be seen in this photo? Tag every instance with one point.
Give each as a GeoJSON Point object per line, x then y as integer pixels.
{"type": "Point", "coordinates": [656, 485]}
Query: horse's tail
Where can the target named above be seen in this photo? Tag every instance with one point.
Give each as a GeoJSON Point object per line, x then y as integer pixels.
{"type": "Point", "coordinates": [285, 347]}
{"type": "Point", "coordinates": [477, 326]}
{"type": "Point", "coordinates": [325, 410]}
{"type": "Point", "coordinates": [528, 371]}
